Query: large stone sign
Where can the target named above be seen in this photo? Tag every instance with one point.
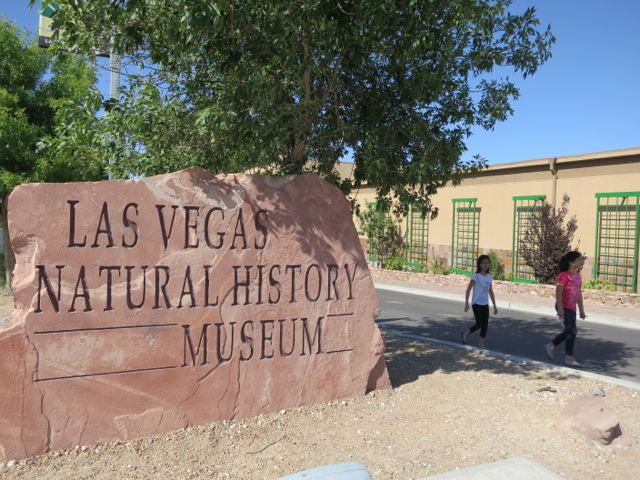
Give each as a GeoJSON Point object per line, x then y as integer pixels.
{"type": "Point", "coordinates": [146, 306]}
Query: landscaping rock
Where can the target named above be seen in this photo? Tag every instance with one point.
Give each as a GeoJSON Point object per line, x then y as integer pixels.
{"type": "Point", "coordinates": [593, 418]}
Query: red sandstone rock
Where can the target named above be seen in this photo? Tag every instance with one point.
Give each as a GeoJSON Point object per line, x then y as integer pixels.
{"type": "Point", "coordinates": [146, 306]}
{"type": "Point", "coordinates": [592, 417]}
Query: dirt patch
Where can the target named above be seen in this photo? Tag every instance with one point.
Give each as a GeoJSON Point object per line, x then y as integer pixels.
{"type": "Point", "coordinates": [450, 409]}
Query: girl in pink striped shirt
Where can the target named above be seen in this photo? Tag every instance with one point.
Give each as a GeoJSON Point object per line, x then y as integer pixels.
{"type": "Point", "coordinates": [568, 297]}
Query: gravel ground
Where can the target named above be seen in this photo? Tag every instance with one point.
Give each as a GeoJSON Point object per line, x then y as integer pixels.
{"type": "Point", "coordinates": [450, 409]}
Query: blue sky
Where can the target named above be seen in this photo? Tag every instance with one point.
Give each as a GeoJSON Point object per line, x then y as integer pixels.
{"type": "Point", "coordinates": [586, 98]}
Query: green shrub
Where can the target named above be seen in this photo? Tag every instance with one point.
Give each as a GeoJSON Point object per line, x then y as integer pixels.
{"type": "Point", "coordinates": [497, 267]}
{"type": "Point", "coordinates": [384, 240]}
{"type": "Point", "coordinates": [418, 268]}
{"type": "Point", "coordinates": [597, 284]}
{"type": "Point", "coordinates": [394, 262]}
{"type": "Point", "coordinates": [439, 265]}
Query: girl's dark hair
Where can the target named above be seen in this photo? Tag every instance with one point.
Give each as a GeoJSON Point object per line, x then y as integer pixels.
{"type": "Point", "coordinates": [566, 261]}
{"type": "Point", "coordinates": [481, 258]}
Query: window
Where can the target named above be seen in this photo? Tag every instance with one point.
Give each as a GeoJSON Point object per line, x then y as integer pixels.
{"type": "Point", "coordinates": [466, 227]}
{"type": "Point", "coordinates": [525, 209]}
{"type": "Point", "coordinates": [617, 243]}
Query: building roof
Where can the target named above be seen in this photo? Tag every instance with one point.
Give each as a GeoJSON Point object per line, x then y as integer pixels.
{"type": "Point", "coordinates": [346, 169]}
{"type": "Point", "coordinates": [612, 155]}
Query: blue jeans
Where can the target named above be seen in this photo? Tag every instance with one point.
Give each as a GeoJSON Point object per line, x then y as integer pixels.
{"type": "Point", "coordinates": [570, 332]}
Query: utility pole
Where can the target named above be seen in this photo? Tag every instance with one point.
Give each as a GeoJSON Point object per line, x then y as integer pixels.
{"type": "Point", "coordinates": [114, 88]}
{"type": "Point", "coordinates": [45, 36]}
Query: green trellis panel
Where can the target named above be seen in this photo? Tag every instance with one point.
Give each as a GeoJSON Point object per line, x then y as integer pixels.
{"type": "Point", "coordinates": [465, 233]}
{"type": "Point", "coordinates": [524, 210]}
{"type": "Point", "coordinates": [416, 238]}
{"type": "Point", "coordinates": [617, 239]}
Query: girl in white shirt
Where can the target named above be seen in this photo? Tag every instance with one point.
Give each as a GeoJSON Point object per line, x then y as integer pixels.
{"type": "Point", "coordinates": [481, 284]}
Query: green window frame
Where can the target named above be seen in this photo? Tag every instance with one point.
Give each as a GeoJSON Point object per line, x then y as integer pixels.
{"type": "Point", "coordinates": [618, 239]}
{"type": "Point", "coordinates": [464, 237]}
{"type": "Point", "coordinates": [525, 208]}
{"type": "Point", "coordinates": [416, 239]}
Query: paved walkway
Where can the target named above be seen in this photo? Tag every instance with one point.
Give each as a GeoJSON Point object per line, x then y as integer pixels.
{"type": "Point", "coordinates": [608, 347]}
{"type": "Point", "coordinates": [622, 316]}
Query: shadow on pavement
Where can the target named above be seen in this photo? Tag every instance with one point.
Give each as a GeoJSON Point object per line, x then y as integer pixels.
{"type": "Point", "coordinates": [506, 334]}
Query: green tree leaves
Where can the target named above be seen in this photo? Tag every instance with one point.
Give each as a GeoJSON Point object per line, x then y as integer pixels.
{"type": "Point", "coordinates": [291, 86]}
{"type": "Point", "coordinates": [43, 96]}
{"type": "Point", "coordinates": [39, 92]}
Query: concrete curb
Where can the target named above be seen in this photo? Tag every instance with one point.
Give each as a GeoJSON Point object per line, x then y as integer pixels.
{"type": "Point", "coordinates": [614, 321]}
{"type": "Point", "coordinates": [521, 360]}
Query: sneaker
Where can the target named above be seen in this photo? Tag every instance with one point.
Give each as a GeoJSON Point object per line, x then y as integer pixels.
{"type": "Point", "coordinates": [572, 362]}
{"type": "Point", "coordinates": [550, 351]}
{"type": "Point", "coordinates": [463, 338]}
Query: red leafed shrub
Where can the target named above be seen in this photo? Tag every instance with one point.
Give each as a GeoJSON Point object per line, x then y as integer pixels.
{"type": "Point", "coordinates": [547, 239]}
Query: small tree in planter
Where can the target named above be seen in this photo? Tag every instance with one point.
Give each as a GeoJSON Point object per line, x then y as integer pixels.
{"type": "Point", "coordinates": [497, 267]}
{"type": "Point", "coordinates": [439, 265]}
{"type": "Point", "coordinates": [384, 239]}
{"type": "Point", "coordinates": [547, 239]}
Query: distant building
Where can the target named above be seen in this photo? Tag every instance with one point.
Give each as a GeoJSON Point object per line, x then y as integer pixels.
{"type": "Point", "coordinates": [490, 211]}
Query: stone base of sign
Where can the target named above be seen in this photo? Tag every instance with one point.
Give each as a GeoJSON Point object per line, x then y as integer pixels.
{"type": "Point", "coordinates": [147, 306]}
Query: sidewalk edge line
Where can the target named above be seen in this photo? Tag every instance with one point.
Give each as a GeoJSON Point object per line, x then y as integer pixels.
{"type": "Point", "coordinates": [522, 360]}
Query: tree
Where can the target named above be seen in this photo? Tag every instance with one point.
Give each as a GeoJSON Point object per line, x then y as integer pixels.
{"type": "Point", "coordinates": [547, 238]}
{"type": "Point", "coordinates": [497, 267]}
{"type": "Point", "coordinates": [383, 236]}
{"type": "Point", "coordinates": [37, 90]}
{"type": "Point", "coordinates": [292, 86]}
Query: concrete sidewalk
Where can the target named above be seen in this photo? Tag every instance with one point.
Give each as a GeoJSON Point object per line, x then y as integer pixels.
{"type": "Point", "coordinates": [619, 316]}
{"type": "Point", "coordinates": [517, 468]}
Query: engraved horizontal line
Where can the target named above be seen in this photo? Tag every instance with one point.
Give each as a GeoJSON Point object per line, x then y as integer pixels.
{"type": "Point", "coordinates": [339, 314]}
{"type": "Point", "coordinates": [104, 373]}
{"type": "Point", "coordinates": [93, 329]}
{"type": "Point", "coordinates": [341, 351]}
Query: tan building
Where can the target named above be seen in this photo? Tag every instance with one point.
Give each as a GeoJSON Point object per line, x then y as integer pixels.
{"type": "Point", "coordinates": [490, 211]}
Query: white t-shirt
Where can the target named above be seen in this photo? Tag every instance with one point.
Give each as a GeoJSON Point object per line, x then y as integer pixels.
{"type": "Point", "coordinates": [481, 288]}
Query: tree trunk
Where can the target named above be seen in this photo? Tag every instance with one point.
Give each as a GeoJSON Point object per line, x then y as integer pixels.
{"type": "Point", "coordinates": [9, 257]}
